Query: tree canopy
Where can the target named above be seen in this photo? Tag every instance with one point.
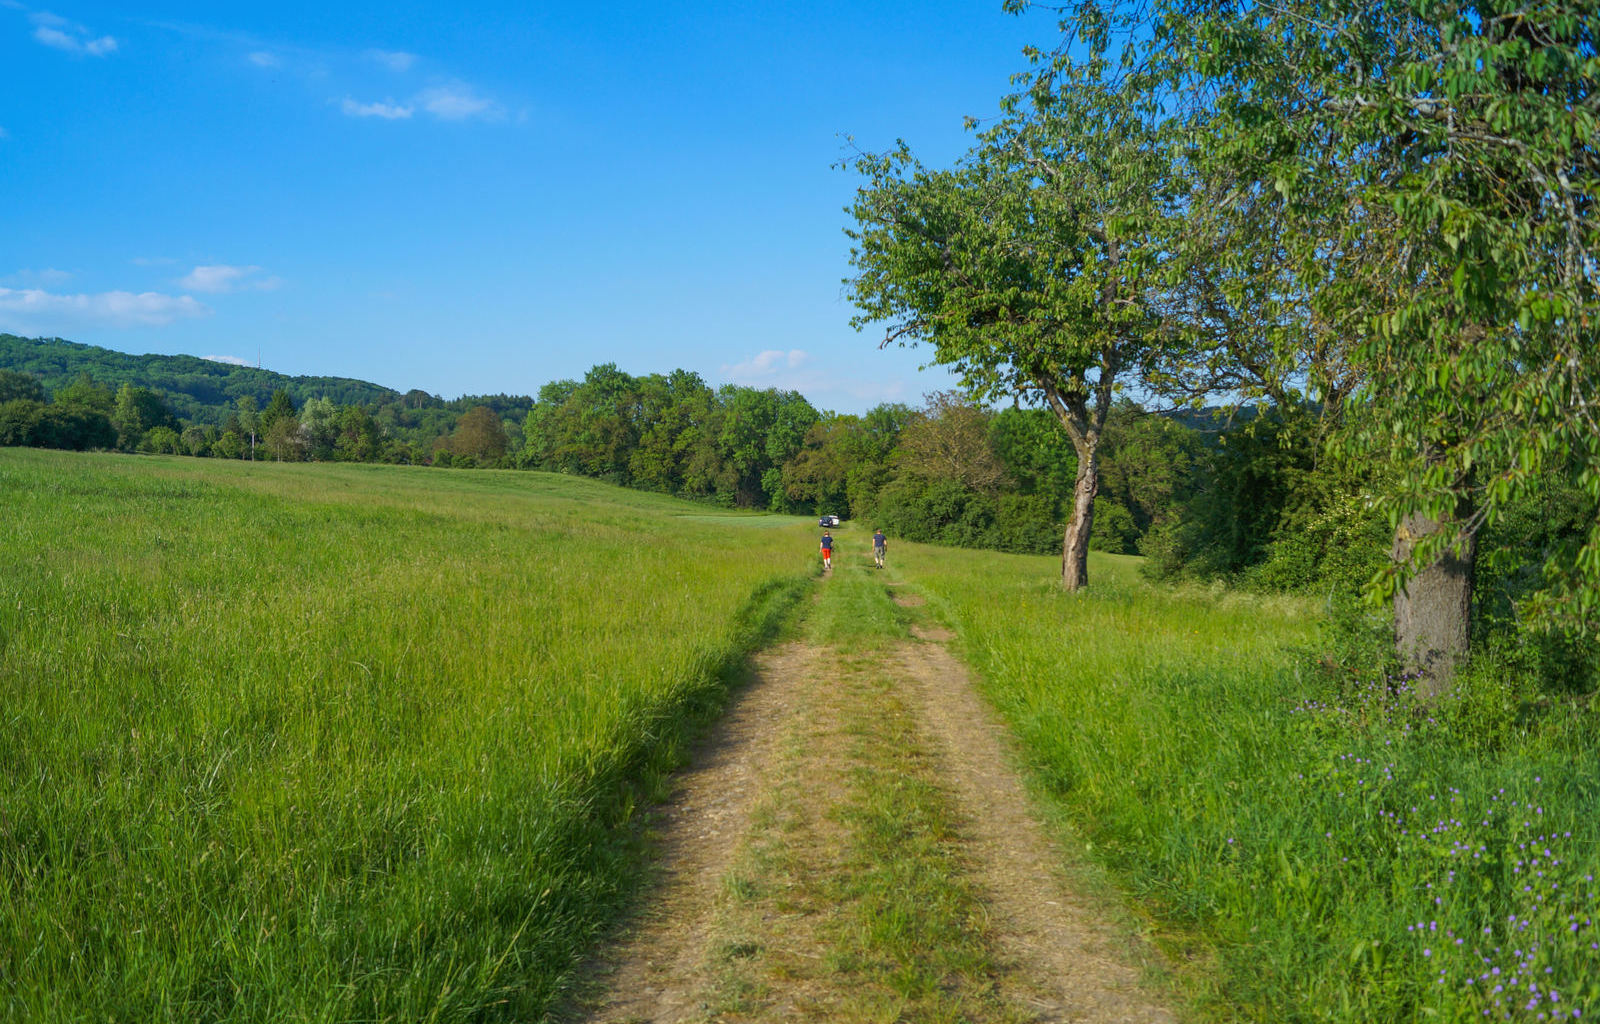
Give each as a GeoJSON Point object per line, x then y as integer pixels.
{"type": "Point", "coordinates": [1030, 267]}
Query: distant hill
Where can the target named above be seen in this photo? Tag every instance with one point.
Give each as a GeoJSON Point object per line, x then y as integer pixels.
{"type": "Point", "coordinates": [201, 390]}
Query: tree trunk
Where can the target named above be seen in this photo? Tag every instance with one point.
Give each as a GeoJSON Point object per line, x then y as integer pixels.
{"type": "Point", "coordinates": [1433, 612]}
{"type": "Point", "coordinates": [1075, 546]}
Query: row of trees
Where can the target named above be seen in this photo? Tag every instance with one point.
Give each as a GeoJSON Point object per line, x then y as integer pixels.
{"type": "Point", "coordinates": [212, 396]}
{"type": "Point", "coordinates": [1374, 221]}
{"type": "Point", "coordinates": [87, 415]}
{"type": "Point", "coordinates": [198, 390]}
{"type": "Point", "coordinates": [951, 472]}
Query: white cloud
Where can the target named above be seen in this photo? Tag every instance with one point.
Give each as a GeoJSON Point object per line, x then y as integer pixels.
{"type": "Point", "coordinates": [263, 59]}
{"type": "Point", "coordinates": [48, 276]}
{"type": "Point", "coordinates": [765, 367]}
{"type": "Point", "coordinates": [235, 360]}
{"type": "Point", "coordinates": [388, 110]}
{"type": "Point", "coordinates": [219, 278]}
{"type": "Point", "coordinates": [454, 101]}
{"type": "Point", "coordinates": [31, 308]}
{"type": "Point", "coordinates": [394, 60]}
{"type": "Point", "coordinates": [55, 37]}
{"type": "Point", "coordinates": [457, 101]}
{"type": "Point", "coordinates": [57, 32]}
{"type": "Point", "coordinates": [798, 370]}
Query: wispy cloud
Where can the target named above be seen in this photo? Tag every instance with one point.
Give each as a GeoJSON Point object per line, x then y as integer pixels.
{"type": "Point", "coordinates": [798, 370]}
{"type": "Point", "coordinates": [388, 110]}
{"type": "Point", "coordinates": [457, 101]}
{"type": "Point", "coordinates": [220, 278]}
{"type": "Point", "coordinates": [766, 366]}
{"type": "Point", "coordinates": [48, 277]}
{"type": "Point", "coordinates": [57, 32]}
{"type": "Point", "coordinates": [235, 360]}
{"type": "Point", "coordinates": [443, 98]}
{"type": "Point", "coordinates": [452, 101]}
{"type": "Point", "coordinates": [394, 60]}
{"type": "Point", "coordinates": [35, 308]}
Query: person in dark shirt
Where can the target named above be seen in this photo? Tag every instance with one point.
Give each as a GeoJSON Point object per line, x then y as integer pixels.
{"type": "Point", "coordinates": [827, 550]}
{"type": "Point", "coordinates": [880, 547]}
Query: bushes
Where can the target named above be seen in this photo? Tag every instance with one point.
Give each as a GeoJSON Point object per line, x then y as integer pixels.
{"type": "Point", "coordinates": [1114, 529]}
{"type": "Point", "coordinates": [1339, 548]}
{"type": "Point", "coordinates": [162, 441]}
{"type": "Point", "coordinates": [17, 420]}
{"type": "Point", "coordinates": [24, 421]}
{"type": "Point", "coordinates": [945, 512]}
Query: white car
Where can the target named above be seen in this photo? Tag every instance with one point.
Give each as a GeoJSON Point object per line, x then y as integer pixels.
{"type": "Point", "coordinates": [828, 521]}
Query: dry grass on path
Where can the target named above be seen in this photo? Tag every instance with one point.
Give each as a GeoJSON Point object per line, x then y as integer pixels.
{"type": "Point", "coordinates": [853, 844]}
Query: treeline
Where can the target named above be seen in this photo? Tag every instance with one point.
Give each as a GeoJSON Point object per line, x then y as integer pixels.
{"type": "Point", "coordinates": [195, 389]}
{"type": "Point", "coordinates": [950, 472]}
{"type": "Point", "coordinates": [85, 414]}
{"type": "Point", "coordinates": [206, 393]}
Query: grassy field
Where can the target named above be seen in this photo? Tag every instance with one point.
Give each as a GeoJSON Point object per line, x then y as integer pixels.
{"type": "Point", "coordinates": [329, 743]}
{"type": "Point", "coordinates": [1315, 845]}
{"type": "Point", "coordinates": [337, 743]}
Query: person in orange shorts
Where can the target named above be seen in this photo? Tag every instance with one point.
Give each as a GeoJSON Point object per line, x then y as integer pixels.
{"type": "Point", "coordinates": [827, 550]}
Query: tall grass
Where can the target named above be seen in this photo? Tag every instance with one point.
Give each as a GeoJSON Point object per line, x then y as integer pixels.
{"type": "Point", "coordinates": [325, 743]}
{"type": "Point", "coordinates": [1323, 844]}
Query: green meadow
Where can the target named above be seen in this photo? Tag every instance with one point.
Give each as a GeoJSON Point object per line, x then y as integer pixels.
{"type": "Point", "coordinates": [1309, 843]}
{"type": "Point", "coordinates": [333, 743]}
{"type": "Point", "coordinates": [347, 743]}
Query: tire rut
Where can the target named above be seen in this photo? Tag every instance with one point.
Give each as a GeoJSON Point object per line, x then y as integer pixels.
{"type": "Point", "coordinates": [654, 969]}
{"type": "Point", "coordinates": [1078, 967]}
{"type": "Point", "coordinates": [779, 755]}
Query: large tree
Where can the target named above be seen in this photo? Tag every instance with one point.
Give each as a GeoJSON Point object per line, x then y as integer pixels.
{"type": "Point", "coordinates": [1030, 267]}
{"type": "Point", "coordinates": [950, 441]}
{"type": "Point", "coordinates": [136, 411]}
{"type": "Point", "coordinates": [479, 434]}
{"type": "Point", "coordinates": [1454, 145]}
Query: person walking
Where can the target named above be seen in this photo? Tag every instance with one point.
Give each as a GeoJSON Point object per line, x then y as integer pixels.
{"type": "Point", "coordinates": [827, 550]}
{"type": "Point", "coordinates": [880, 547]}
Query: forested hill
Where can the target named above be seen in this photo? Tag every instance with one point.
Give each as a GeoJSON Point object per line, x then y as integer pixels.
{"type": "Point", "coordinates": [200, 390]}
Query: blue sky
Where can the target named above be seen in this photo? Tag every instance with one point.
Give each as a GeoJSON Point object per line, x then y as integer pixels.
{"type": "Point", "coordinates": [475, 199]}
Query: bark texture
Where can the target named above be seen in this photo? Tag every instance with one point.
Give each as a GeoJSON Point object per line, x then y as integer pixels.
{"type": "Point", "coordinates": [1075, 545]}
{"type": "Point", "coordinates": [1433, 612]}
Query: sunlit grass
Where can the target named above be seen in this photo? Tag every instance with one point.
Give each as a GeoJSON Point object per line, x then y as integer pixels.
{"type": "Point", "coordinates": [1317, 843]}
{"type": "Point", "coordinates": [340, 742]}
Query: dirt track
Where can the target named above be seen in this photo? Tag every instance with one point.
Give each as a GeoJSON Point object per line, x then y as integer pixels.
{"type": "Point", "coordinates": [760, 800]}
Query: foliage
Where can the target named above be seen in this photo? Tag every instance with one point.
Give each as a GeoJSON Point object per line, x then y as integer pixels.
{"type": "Point", "coordinates": [479, 436]}
{"type": "Point", "coordinates": [137, 410]}
{"type": "Point", "coordinates": [1458, 138]}
{"type": "Point", "coordinates": [1030, 266]}
{"type": "Point", "coordinates": [197, 389]}
{"type": "Point", "coordinates": [16, 386]}
{"type": "Point", "coordinates": [1115, 532]}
